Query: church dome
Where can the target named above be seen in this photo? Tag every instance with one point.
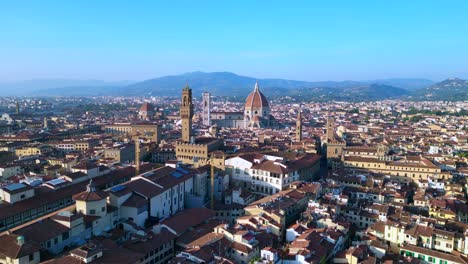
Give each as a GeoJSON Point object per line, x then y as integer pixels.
{"type": "Point", "coordinates": [256, 99]}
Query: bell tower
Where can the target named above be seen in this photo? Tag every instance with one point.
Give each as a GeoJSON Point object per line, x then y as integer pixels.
{"type": "Point", "coordinates": [206, 108]}
{"type": "Point", "coordinates": [330, 129]}
{"type": "Point", "coordinates": [299, 127]}
{"type": "Point", "coordinates": [186, 114]}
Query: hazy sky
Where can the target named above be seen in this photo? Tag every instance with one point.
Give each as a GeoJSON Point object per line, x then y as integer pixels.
{"type": "Point", "coordinates": [305, 40]}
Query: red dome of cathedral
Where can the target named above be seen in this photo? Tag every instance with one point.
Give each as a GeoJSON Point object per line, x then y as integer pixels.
{"type": "Point", "coordinates": [256, 99]}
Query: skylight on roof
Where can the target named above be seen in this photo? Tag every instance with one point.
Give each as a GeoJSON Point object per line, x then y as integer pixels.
{"type": "Point", "coordinates": [176, 174]}
{"type": "Point", "coordinates": [182, 170]}
{"type": "Point", "coordinates": [147, 174]}
{"type": "Point", "coordinates": [118, 188]}
{"type": "Point", "coordinates": [15, 186]}
{"type": "Point", "coordinates": [65, 213]}
{"type": "Point", "coordinates": [56, 182]}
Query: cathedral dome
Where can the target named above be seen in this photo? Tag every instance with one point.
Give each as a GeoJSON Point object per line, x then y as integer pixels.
{"type": "Point", "coordinates": [256, 99]}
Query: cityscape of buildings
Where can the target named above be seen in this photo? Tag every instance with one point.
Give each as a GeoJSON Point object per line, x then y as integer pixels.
{"type": "Point", "coordinates": [203, 179]}
{"type": "Point", "coordinates": [234, 132]}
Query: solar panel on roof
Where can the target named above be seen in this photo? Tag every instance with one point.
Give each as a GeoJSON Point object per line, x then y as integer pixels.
{"type": "Point", "coordinates": [56, 181]}
{"type": "Point", "coordinates": [182, 170]}
{"type": "Point", "coordinates": [15, 186]}
{"type": "Point", "coordinates": [147, 174]}
{"type": "Point", "coordinates": [35, 183]}
{"type": "Point", "coordinates": [118, 188]}
{"type": "Point", "coordinates": [65, 213]}
{"type": "Point", "coordinates": [176, 174]}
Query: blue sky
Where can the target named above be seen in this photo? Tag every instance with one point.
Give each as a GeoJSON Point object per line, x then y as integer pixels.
{"type": "Point", "coordinates": [305, 40]}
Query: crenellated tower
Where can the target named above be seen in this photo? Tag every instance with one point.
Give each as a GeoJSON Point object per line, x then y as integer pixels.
{"type": "Point", "coordinates": [186, 114]}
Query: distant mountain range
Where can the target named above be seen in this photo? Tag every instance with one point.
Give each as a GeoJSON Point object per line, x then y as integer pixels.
{"type": "Point", "coordinates": [58, 87]}
{"type": "Point", "coordinates": [357, 92]}
{"type": "Point", "coordinates": [450, 89]}
{"type": "Point", "coordinates": [230, 84]}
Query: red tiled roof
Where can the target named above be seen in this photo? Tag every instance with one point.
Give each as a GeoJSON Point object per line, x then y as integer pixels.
{"type": "Point", "coordinates": [90, 196]}
{"type": "Point", "coordinates": [192, 217]}
{"type": "Point", "coordinates": [241, 247]}
{"type": "Point", "coordinates": [152, 242]}
{"type": "Point", "coordinates": [11, 249]}
{"type": "Point", "coordinates": [144, 188]}
{"type": "Point", "coordinates": [135, 201]}
{"type": "Point", "coordinates": [45, 195]}
{"type": "Point", "coordinates": [42, 231]}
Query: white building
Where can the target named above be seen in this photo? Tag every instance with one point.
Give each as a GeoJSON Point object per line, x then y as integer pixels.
{"type": "Point", "coordinates": [159, 193]}
{"type": "Point", "coordinates": [7, 171]}
{"type": "Point", "coordinates": [267, 174]}
{"type": "Point", "coordinates": [16, 192]}
{"type": "Point", "coordinates": [269, 255]}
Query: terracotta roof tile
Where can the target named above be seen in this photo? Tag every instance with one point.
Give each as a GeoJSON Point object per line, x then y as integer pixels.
{"type": "Point", "coordinates": [11, 249]}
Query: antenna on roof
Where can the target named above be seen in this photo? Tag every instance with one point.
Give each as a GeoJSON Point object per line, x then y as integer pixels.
{"type": "Point", "coordinates": [212, 185]}
{"type": "Point", "coordinates": [137, 155]}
